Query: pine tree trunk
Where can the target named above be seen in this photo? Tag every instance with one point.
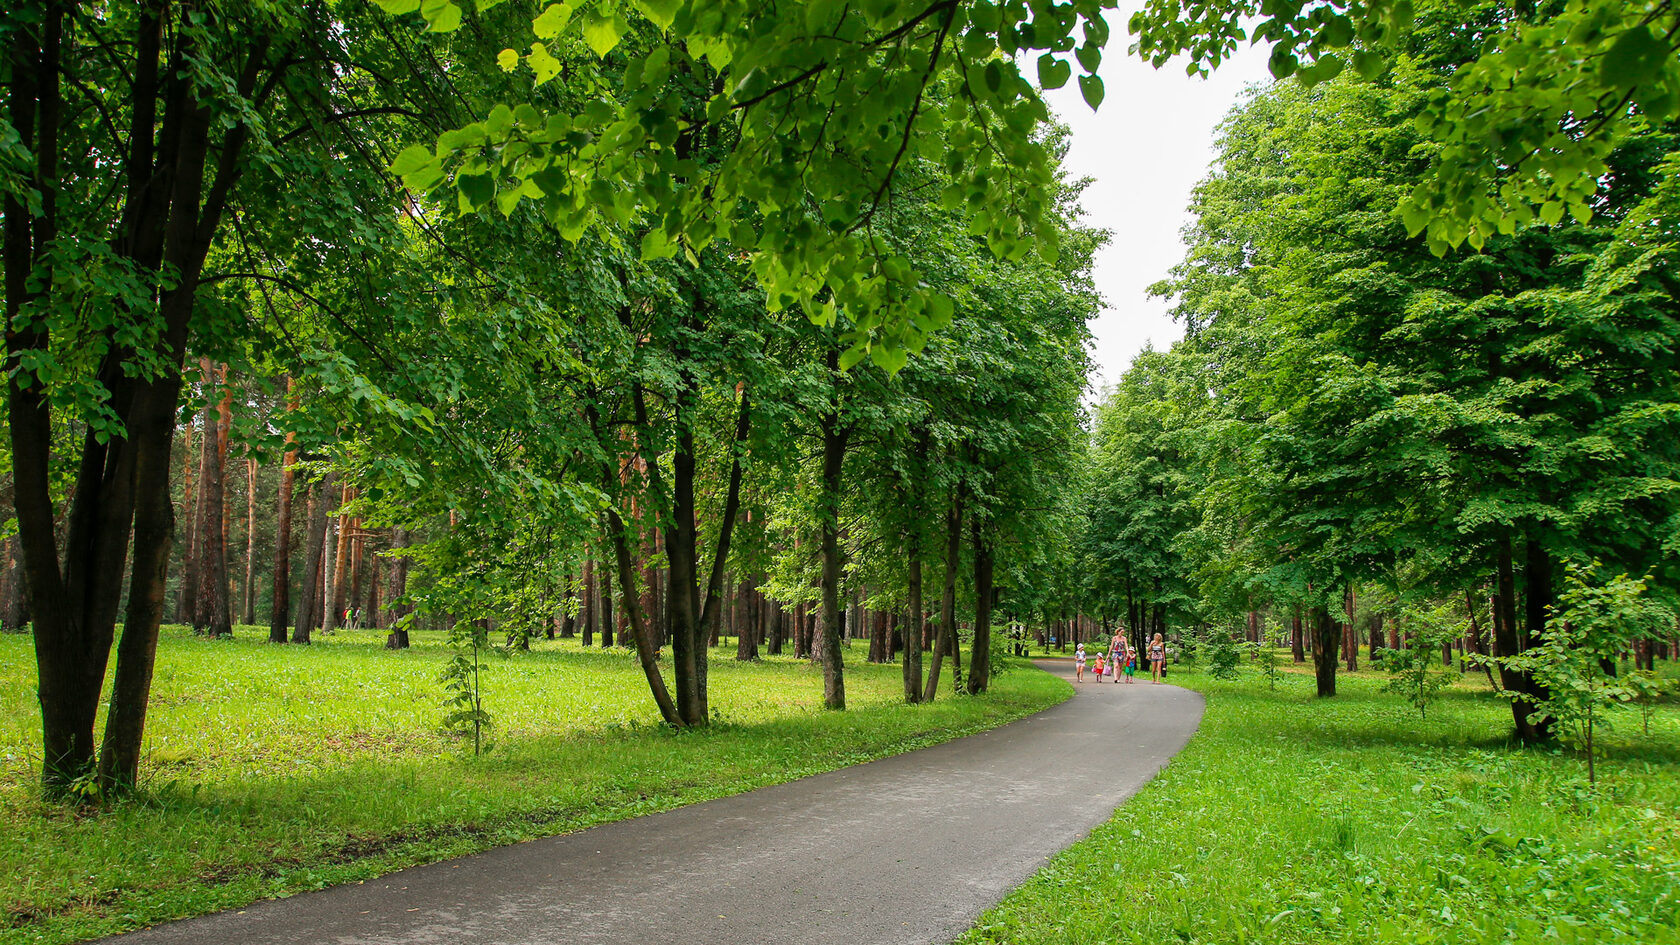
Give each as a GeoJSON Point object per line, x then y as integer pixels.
{"type": "Point", "coordinates": [186, 590]}
{"type": "Point", "coordinates": [339, 577]}
{"type": "Point", "coordinates": [280, 602]}
{"type": "Point", "coordinates": [214, 607]}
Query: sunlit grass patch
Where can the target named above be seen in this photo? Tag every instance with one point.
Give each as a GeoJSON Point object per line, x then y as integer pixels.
{"type": "Point", "coordinates": [271, 769]}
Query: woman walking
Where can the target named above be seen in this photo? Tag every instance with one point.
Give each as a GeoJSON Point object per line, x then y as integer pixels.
{"type": "Point", "coordinates": [1116, 653]}
{"type": "Point", "coordinates": [1157, 657]}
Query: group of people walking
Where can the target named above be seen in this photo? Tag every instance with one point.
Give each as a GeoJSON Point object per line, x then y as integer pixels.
{"type": "Point", "coordinates": [1122, 659]}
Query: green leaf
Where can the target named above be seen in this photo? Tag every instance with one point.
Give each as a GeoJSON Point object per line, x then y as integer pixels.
{"type": "Point", "coordinates": [411, 159]}
{"type": "Point", "coordinates": [1091, 87]}
{"type": "Point", "coordinates": [1636, 57]}
{"type": "Point", "coordinates": [1089, 56]}
{"type": "Point", "coordinates": [1282, 63]}
{"type": "Point", "coordinates": [601, 33]}
{"type": "Point", "coordinates": [508, 60]}
{"type": "Point", "coordinates": [552, 20]}
{"type": "Point", "coordinates": [1368, 64]}
{"type": "Point", "coordinates": [1053, 73]}
{"type": "Point", "coordinates": [662, 13]}
{"type": "Point", "coordinates": [476, 188]}
{"type": "Point", "coordinates": [398, 7]}
{"type": "Point", "coordinates": [543, 63]}
{"type": "Point", "coordinates": [889, 359]}
{"type": "Point", "coordinates": [851, 356]}
{"type": "Point", "coordinates": [442, 16]}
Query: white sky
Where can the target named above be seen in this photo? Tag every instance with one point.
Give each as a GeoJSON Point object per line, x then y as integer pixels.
{"type": "Point", "coordinates": [1146, 149]}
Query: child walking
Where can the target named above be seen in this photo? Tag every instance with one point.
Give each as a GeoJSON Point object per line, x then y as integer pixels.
{"type": "Point", "coordinates": [1079, 663]}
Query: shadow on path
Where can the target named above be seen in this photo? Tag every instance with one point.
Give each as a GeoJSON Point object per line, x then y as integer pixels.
{"type": "Point", "coordinates": [910, 848]}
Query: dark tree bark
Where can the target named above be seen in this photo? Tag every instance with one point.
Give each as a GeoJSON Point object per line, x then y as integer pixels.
{"type": "Point", "coordinates": [310, 604]}
{"type": "Point", "coordinates": [590, 610]}
{"type": "Point", "coordinates": [913, 629]}
{"type": "Point", "coordinates": [603, 580]}
{"type": "Point", "coordinates": [1506, 641]}
{"type": "Point", "coordinates": [1350, 640]}
{"type": "Point", "coordinates": [197, 557]}
{"type": "Point", "coordinates": [980, 657]}
{"type": "Point", "coordinates": [121, 486]}
{"type": "Point", "coordinates": [1297, 639]}
{"type": "Point", "coordinates": [1327, 636]}
{"type": "Point", "coordinates": [835, 436]}
{"type": "Point", "coordinates": [947, 645]}
{"type": "Point", "coordinates": [280, 606]}
{"type": "Point", "coordinates": [746, 644]}
{"type": "Point", "coordinates": [777, 632]}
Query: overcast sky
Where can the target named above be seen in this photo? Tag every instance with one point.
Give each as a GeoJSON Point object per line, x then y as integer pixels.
{"type": "Point", "coordinates": [1146, 150]}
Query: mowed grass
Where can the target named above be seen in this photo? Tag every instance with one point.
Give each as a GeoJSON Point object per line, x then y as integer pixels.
{"type": "Point", "coordinates": [274, 769]}
{"type": "Point", "coordinates": [1293, 820]}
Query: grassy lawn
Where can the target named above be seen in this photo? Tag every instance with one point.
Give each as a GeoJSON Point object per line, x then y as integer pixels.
{"type": "Point", "coordinates": [271, 770]}
{"type": "Point", "coordinates": [1294, 820]}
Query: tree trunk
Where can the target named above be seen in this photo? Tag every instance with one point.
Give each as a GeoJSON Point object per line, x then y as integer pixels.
{"type": "Point", "coordinates": [213, 610]}
{"type": "Point", "coordinates": [1297, 639]}
{"type": "Point", "coordinates": [590, 610]}
{"type": "Point", "coordinates": [913, 629]}
{"type": "Point", "coordinates": [746, 644]}
{"type": "Point", "coordinates": [1505, 640]}
{"type": "Point", "coordinates": [248, 601]}
{"type": "Point", "coordinates": [835, 436]}
{"type": "Point", "coordinates": [314, 558]}
{"type": "Point", "coordinates": [1327, 636]}
{"type": "Point", "coordinates": [280, 605]}
{"type": "Point", "coordinates": [947, 645]}
{"type": "Point", "coordinates": [1539, 577]}
{"type": "Point", "coordinates": [336, 582]}
{"type": "Point", "coordinates": [980, 658]}
{"type": "Point", "coordinates": [186, 591]}
{"type": "Point", "coordinates": [1350, 641]}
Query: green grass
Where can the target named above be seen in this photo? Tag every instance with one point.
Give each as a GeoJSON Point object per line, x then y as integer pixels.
{"type": "Point", "coordinates": [270, 770]}
{"type": "Point", "coordinates": [1294, 820]}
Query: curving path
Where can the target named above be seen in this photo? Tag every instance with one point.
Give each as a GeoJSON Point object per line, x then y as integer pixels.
{"type": "Point", "coordinates": [910, 848]}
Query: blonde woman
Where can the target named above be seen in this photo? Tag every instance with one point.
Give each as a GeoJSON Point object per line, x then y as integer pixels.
{"type": "Point", "coordinates": [1157, 657]}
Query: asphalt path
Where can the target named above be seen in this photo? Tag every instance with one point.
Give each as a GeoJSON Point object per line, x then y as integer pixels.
{"type": "Point", "coordinates": [910, 848]}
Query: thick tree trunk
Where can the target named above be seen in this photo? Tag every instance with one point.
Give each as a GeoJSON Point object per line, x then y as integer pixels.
{"type": "Point", "coordinates": [947, 645]}
{"type": "Point", "coordinates": [777, 632]}
{"type": "Point", "coordinates": [280, 604]}
{"type": "Point", "coordinates": [980, 659]}
{"type": "Point", "coordinates": [746, 643]}
{"type": "Point", "coordinates": [1505, 640]}
{"type": "Point", "coordinates": [603, 580]}
{"type": "Point", "coordinates": [314, 557]}
{"type": "Point", "coordinates": [1327, 636]}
